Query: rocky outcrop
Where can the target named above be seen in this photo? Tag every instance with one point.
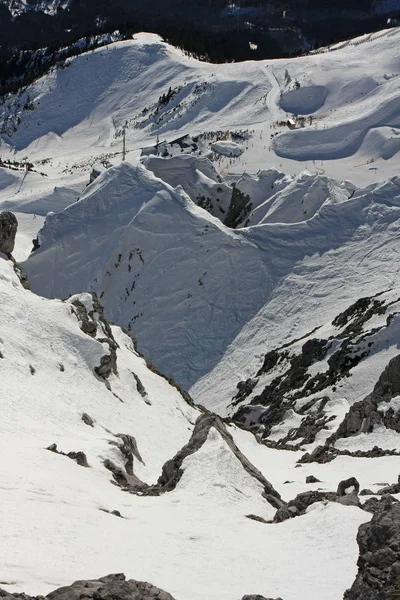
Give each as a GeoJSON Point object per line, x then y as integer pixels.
{"type": "Point", "coordinates": [93, 323]}
{"type": "Point", "coordinates": [8, 231]}
{"type": "Point", "coordinates": [312, 479]}
{"type": "Point", "coordinates": [363, 416]}
{"type": "Point", "coordinates": [348, 486]}
{"type": "Point", "coordinates": [87, 419]}
{"type": "Point", "coordinates": [347, 495]}
{"type": "Point", "coordinates": [327, 453]}
{"type": "Point", "coordinates": [239, 208]}
{"type": "Point", "coordinates": [258, 597]}
{"type": "Point", "coordinates": [378, 505]}
{"type": "Point", "coordinates": [129, 449]}
{"type": "Point", "coordinates": [303, 374]}
{"type": "Point", "coordinates": [172, 471]}
{"type": "Point", "coordinates": [112, 586]}
{"type": "Point", "coordinates": [299, 505]}
{"type": "Point", "coordinates": [79, 457]}
{"type": "Point", "coordinates": [390, 489]}
{"type": "Point", "coordinates": [280, 395]}
{"type": "Point", "coordinates": [378, 575]}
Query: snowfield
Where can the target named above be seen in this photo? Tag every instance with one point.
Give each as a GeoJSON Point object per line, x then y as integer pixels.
{"type": "Point", "coordinates": [246, 249]}
{"type": "Point", "coordinates": [185, 541]}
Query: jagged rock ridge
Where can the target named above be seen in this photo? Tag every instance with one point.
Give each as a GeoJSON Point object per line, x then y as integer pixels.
{"type": "Point", "coordinates": [300, 381]}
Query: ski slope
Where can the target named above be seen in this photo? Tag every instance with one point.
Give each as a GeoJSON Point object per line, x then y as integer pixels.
{"type": "Point", "coordinates": [76, 114]}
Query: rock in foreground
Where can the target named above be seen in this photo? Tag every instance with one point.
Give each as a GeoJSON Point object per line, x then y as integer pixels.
{"type": "Point", "coordinates": [8, 231]}
{"type": "Point", "coordinates": [111, 586]}
{"type": "Point", "coordinates": [379, 561]}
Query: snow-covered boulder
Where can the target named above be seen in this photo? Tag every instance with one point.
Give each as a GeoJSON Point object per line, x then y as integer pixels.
{"type": "Point", "coordinates": [228, 148]}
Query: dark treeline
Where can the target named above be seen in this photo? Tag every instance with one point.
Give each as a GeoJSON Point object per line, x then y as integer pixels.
{"type": "Point", "coordinates": [199, 27]}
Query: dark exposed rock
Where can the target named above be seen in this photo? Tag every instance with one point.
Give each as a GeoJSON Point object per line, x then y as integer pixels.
{"type": "Point", "coordinates": [287, 392]}
{"type": "Point", "coordinates": [379, 560]}
{"type": "Point", "coordinates": [139, 386]}
{"type": "Point", "coordinates": [111, 587]}
{"type": "Point", "coordinates": [375, 504]}
{"type": "Point", "coordinates": [172, 472]}
{"type": "Point", "coordinates": [128, 447]}
{"type": "Point", "coordinates": [87, 420]}
{"type": "Point", "coordinates": [327, 453]}
{"type": "Point", "coordinates": [285, 513]}
{"type": "Point", "coordinates": [116, 513]}
{"type": "Point", "coordinates": [78, 457]}
{"type": "Point", "coordinates": [256, 518]}
{"type": "Point", "coordinates": [185, 395]}
{"type": "Point", "coordinates": [93, 323]}
{"type": "Point", "coordinates": [8, 231]}
{"type": "Point", "coordinates": [320, 454]}
{"type": "Point", "coordinates": [312, 479]}
{"type": "Point", "coordinates": [391, 489]}
{"type": "Point", "coordinates": [239, 208]}
{"type": "Point", "coordinates": [357, 314]}
{"type": "Point", "coordinates": [35, 244]}
{"type": "Point", "coordinates": [366, 492]}
{"type": "Point", "coordinates": [348, 486]}
{"type": "Point", "coordinates": [108, 365]}
{"type": "Point", "coordinates": [245, 388]}
{"type": "Point", "coordinates": [300, 503]}
{"type": "Point", "coordinates": [258, 597]}
{"type": "Point", "coordinates": [87, 324]}
{"type": "Point", "coordinates": [118, 474]}
{"type": "Point", "coordinates": [363, 416]}
{"type": "Point", "coordinates": [271, 359]}
{"type": "Point", "coordinates": [280, 394]}
{"type": "Point", "coordinates": [22, 276]}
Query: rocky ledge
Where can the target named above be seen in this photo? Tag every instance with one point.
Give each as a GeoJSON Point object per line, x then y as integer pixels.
{"type": "Point", "coordinates": [111, 587]}
{"type": "Point", "coordinates": [378, 576]}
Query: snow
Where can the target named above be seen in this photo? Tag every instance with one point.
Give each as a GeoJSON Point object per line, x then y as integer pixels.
{"type": "Point", "coordinates": [205, 303]}
{"type": "Point", "coordinates": [53, 526]}
{"type": "Point", "coordinates": [227, 148]}
{"type": "Point", "coordinates": [280, 467]}
{"type": "Point", "coordinates": [380, 436]}
{"type": "Point", "coordinates": [120, 85]}
{"type": "Point", "coordinates": [28, 227]}
{"type": "Point", "coordinates": [103, 90]}
{"type": "Point", "coordinates": [346, 250]}
{"type": "Point", "coordinates": [198, 177]}
{"type": "Point", "coordinates": [304, 100]}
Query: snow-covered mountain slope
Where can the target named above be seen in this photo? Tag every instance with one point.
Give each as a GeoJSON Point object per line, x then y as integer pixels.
{"type": "Point", "coordinates": [337, 384]}
{"type": "Point", "coordinates": [74, 116]}
{"type": "Point", "coordinates": [198, 177]}
{"type": "Point", "coordinates": [349, 251]}
{"type": "Point", "coordinates": [148, 240]}
{"type": "Point", "coordinates": [50, 7]}
{"type": "Point", "coordinates": [69, 434]}
{"type": "Point", "coordinates": [268, 197]}
{"type": "Point", "coordinates": [287, 323]}
{"type": "Point", "coordinates": [275, 198]}
{"type": "Point", "coordinates": [158, 263]}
